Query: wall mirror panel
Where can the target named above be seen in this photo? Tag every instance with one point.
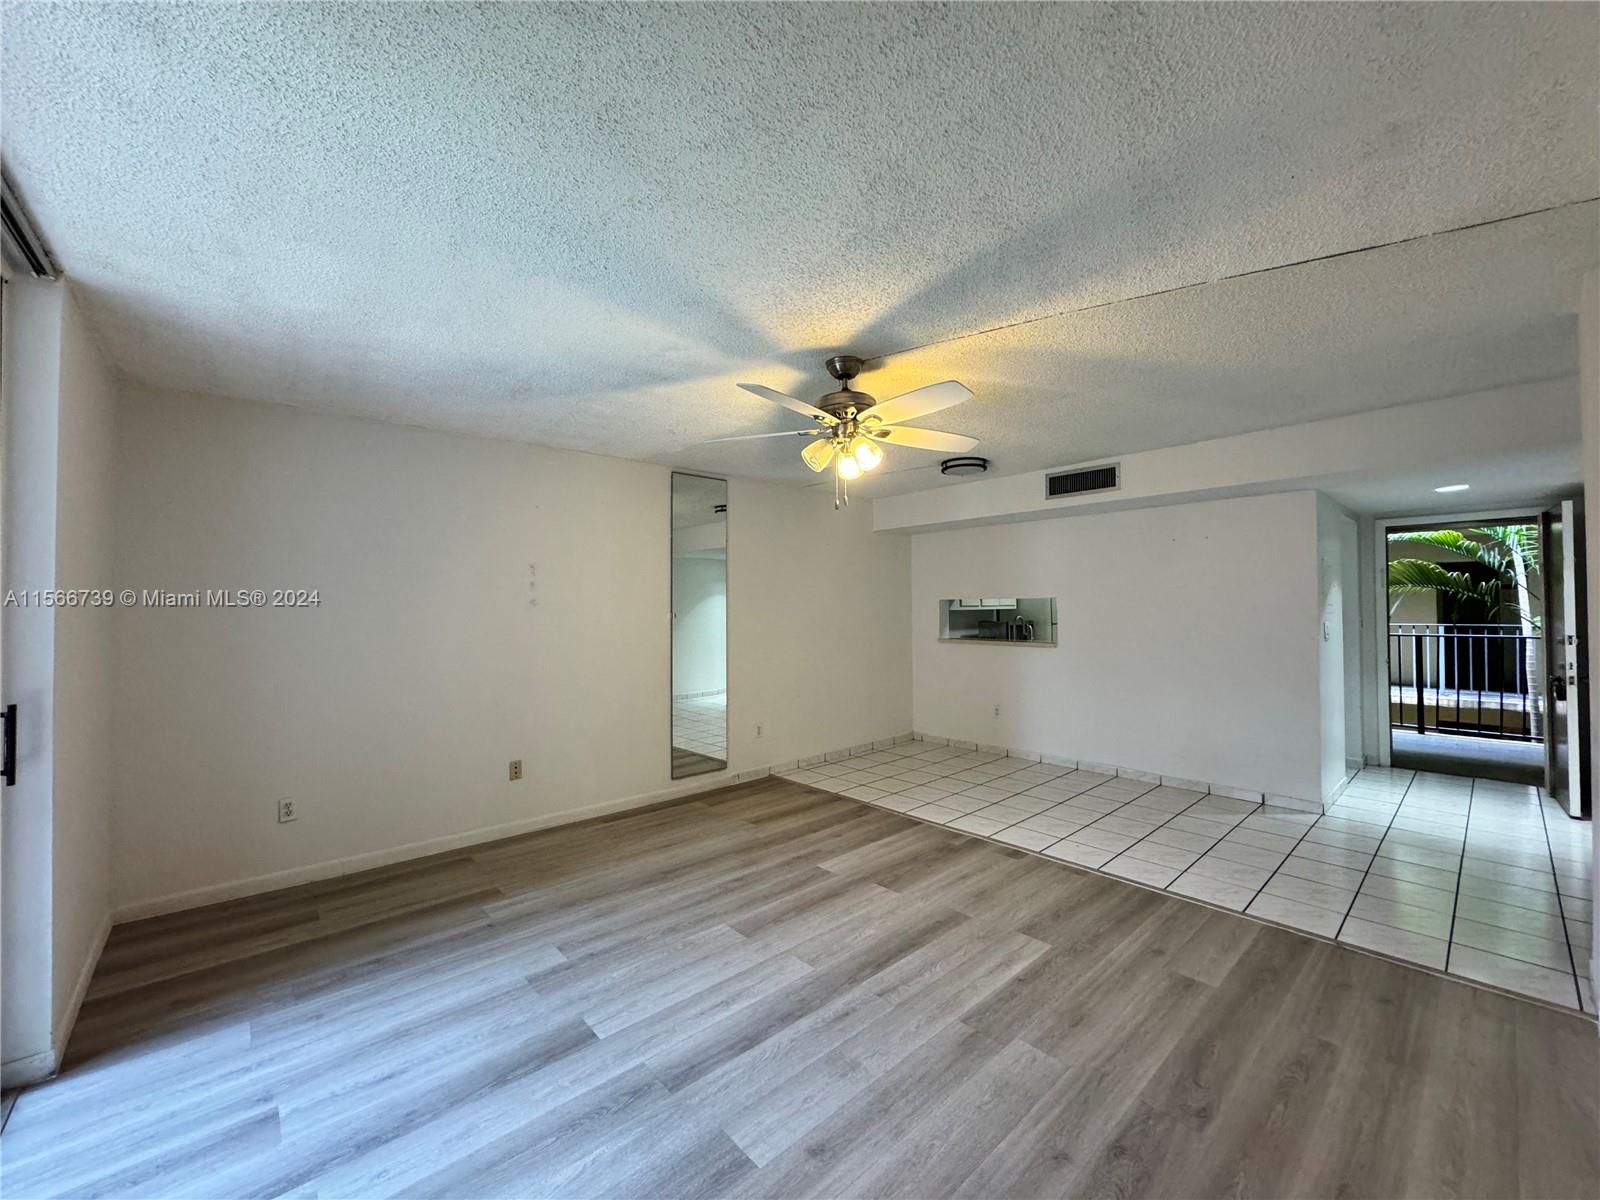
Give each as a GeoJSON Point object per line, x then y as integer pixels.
{"type": "Point", "coordinates": [699, 625]}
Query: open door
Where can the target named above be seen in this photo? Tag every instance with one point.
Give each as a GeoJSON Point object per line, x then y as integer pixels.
{"type": "Point", "coordinates": [1566, 659]}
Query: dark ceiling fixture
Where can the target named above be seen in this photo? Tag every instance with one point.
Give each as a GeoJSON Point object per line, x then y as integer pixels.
{"type": "Point", "coordinates": [966, 465]}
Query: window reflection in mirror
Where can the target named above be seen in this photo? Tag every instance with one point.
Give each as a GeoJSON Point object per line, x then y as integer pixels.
{"type": "Point", "coordinates": [699, 625]}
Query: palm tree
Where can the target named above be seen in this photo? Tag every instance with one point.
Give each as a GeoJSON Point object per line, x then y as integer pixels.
{"type": "Point", "coordinates": [1511, 551]}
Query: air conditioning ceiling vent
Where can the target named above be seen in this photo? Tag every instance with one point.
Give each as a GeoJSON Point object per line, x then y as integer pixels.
{"type": "Point", "coordinates": [1085, 479]}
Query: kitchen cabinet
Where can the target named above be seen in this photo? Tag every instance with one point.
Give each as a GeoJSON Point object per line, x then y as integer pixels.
{"type": "Point", "coordinates": [1006, 620]}
{"type": "Point", "coordinates": [982, 602]}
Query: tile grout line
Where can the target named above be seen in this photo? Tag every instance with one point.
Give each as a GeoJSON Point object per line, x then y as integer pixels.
{"type": "Point", "coordinates": [1184, 871]}
{"type": "Point", "coordinates": [1207, 851]}
{"type": "Point", "coordinates": [1014, 824]}
{"type": "Point", "coordinates": [1181, 871]}
{"type": "Point", "coordinates": [1081, 828]}
{"type": "Point", "coordinates": [1101, 869]}
{"type": "Point", "coordinates": [987, 783]}
{"type": "Point", "coordinates": [1412, 964]}
{"type": "Point", "coordinates": [1561, 909]}
{"type": "Point", "coordinates": [1461, 869]}
{"type": "Point", "coordinates": [1410, 783]}
{"type": "Point", "coordinates": [1244, 912]}
{"type": "Point", "coordinates": [1273, 874]}
{"type": "Point", "coordinates": [1114, 855]}
{"type": "Point", "coordinates": [1119, 853]}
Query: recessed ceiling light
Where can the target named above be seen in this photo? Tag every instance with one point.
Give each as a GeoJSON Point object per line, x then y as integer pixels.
{"type": "Point", "coordinates": [1453, 487]}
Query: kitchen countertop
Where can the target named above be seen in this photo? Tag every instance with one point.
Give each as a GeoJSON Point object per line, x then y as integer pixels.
{"type": "Point", "coordinates": [1000, 642]}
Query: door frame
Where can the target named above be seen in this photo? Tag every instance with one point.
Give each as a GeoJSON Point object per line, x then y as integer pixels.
{"type": "Point", "coordinates": [1572, 603]}
{"type": "Point", "coordinates": [1378, 686]}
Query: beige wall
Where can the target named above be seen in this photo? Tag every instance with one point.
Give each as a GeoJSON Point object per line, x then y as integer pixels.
{"type": "Point", "coordinates": [59, 413]}
{"type": "Point", "coordinates": [390, 711]}
{"type": "Point", "coordinates": [31, 362]}
{"type": "Point", "coordinates": [1338, 636]}
{"type": "Point", "coordinates": [82, 777]}
{"type": "Point", "coordinates": [1187, 641]}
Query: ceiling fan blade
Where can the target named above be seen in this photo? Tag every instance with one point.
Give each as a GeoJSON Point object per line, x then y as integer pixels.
{"type": "Point", "coordinates": [919, 402]}
{"type": "Point", "coordinates": [818, 455]}
{"type": "Point", "coordinates": [789, 402]}
{"type": "Point", "coordinates": [925, 439]}
{"type": "Point", "coordinates": [750, 437]}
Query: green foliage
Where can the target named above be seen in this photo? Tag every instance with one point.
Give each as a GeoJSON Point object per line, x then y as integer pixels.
{"type": "Point", "coordinates": [1498, 547]}
{"type": "Point", "coordinates": [1416, 576]}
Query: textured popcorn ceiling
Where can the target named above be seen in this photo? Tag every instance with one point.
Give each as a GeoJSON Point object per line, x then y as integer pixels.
{"type": "Point", "coordinates": [582, 225]}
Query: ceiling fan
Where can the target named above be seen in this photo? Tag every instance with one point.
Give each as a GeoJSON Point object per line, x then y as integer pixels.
{"type": "Point", "coordinates": [853, 426]}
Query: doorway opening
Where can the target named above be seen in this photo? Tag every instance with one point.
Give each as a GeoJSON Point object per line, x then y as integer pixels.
{"type": "Point", "coordinates": [1465, 601]}
{"type": "Point", "coordinates": [1476, 686]}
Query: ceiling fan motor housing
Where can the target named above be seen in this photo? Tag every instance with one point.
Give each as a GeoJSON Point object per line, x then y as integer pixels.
{"type": "Point", "coordinates": [845, 367]}
{"type": "Point", "coordinates": [845, 403]}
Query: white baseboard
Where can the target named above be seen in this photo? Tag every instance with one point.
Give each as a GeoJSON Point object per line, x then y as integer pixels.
{"type": "Point", "coordinates": [36, 1068]}
{"type": "Point", "coordinates": [61, 1031]}
{"type": "Point", "coordinates": [1337, 790]}
{"type": "Point", "coordinates": [1099, 768]}
{"type": "Point", "coordinates": [1294, 802]}
{"type": "Point", "coordinates": [333, 868]}
{"type": "Point", "coordinates": [21, 1072]}
{"type": "Point", "coordinates": [1106, 768]}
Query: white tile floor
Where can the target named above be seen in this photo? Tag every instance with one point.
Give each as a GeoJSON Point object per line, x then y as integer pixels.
{"type": "Point", "coordinates": [1486, 881]}
{"type": "Point", "coordinates": [701, 725]}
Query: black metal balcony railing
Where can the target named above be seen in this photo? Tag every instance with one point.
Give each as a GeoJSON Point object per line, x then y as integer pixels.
{"type": "Point", "coordinates": [1479, 680]}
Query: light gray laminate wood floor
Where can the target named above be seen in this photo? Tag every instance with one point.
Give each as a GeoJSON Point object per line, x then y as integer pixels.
{"type": "Point", "coordinates": [770, 991]}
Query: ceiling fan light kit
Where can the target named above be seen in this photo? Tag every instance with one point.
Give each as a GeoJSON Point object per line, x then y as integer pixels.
{"type": "Point", "coordinates": [852, 426]}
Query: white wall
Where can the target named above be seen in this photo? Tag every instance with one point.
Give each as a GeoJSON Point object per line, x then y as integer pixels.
{"type": "Point", "coordinates": [1504, 438]}
{"type": "Point", "coordinates": [1338, 597]}
{"type": "Point", "coordinates": [82, 777]}
{"type": "Point", "coordinates": [1188, 641]}
{"type": "Point", "coordinates": [1589, 353]}
{"type": "Point", "coordinates": [31, 360]}
{"type": "Point", "coordinates": [700, 625]}
{"type": "Point", "coordinates": [60, 407]}
{"type": "Point", "coordinates": [798, 572]}
{"type": "Point", "coordinates": [389, 713]}
{"type": "Point", "coordinates": [1351, 568]}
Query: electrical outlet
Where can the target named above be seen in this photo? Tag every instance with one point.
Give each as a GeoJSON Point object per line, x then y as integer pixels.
{"type": "Point", "coordinates": [286, 810]}
{"type": "Point", "coordinates": [759, 728]}
{"type": "Point", "coordinates": [516, 769]}
{"type": "Point", "coordinates": [997, 710]}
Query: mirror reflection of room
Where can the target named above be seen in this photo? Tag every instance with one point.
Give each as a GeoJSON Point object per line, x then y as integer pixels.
{"type": "Point", "coordinates": [699, 625]}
